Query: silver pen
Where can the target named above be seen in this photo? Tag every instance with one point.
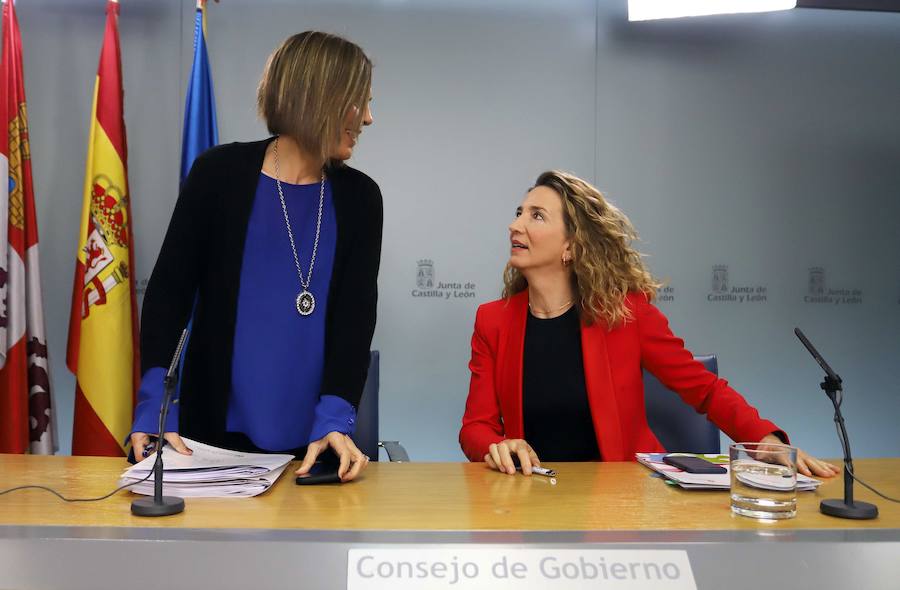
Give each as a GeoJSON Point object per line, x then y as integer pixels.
{"type": "Point", "coordinates": [541, 471]}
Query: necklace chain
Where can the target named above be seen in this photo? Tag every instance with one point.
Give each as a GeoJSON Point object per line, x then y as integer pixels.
{"type": "Point", "coordinates": [312, 261]}
{"type": "Point", "coordinates": [551, 311]}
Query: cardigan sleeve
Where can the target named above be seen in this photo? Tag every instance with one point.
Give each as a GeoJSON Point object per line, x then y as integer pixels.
{"type": "Point", "coordinates": [664, 355]}
{"type": "Point", "coordinates": [147, 410]}
{"type": "Point", "coordinates": [173, 284]}
{"type": "Point", "coordinates": [352, 309]}
{"type": "Point", "coordinates": [332, 414]}
{"type": "Point", "coordinates": [481, 423]}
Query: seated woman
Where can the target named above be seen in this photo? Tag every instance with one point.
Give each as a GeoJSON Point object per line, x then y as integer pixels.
{"type": "Point", "coordinates": [557, 362]}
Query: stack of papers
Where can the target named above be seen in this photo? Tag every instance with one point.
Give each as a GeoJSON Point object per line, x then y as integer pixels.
{"type": "Point", "coordinates": [210, 472]}
{"type": "Point", "coordinates": [717, 481]}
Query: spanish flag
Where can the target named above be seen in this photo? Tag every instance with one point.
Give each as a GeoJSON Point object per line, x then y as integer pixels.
{"type": "Point", "coordinates": [103, 333]}
{"type": "Point", "coordinates": [26, 416]}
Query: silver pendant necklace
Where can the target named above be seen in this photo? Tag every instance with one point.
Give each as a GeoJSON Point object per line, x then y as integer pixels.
{"type": "Point", "coordinates": [305, 301]}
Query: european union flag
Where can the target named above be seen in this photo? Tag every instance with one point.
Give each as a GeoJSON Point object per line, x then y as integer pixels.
{"type": "Point", "coordinates": [200, 129]}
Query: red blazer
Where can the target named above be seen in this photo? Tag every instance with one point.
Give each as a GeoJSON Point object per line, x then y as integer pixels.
{"type": "Point", "coordinates": [613, 360]}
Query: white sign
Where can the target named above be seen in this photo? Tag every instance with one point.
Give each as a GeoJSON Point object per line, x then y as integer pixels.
{"type": "Point", "coordinates": [521, 569]}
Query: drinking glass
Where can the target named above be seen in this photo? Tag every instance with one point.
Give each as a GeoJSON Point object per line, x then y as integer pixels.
{"type": "Point", "coordinates": [763, 480]}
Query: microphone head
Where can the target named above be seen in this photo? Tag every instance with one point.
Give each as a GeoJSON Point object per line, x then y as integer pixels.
{"type": "Point", "coordinates": [174, 365]}
{"type": "Point", "coordinates": [815, 354]}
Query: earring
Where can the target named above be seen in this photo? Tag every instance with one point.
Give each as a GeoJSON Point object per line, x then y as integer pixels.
{"type": "Point", "coordinates": [566, 260]}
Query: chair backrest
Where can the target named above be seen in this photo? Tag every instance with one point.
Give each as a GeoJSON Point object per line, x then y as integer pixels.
{"type": "Point", "coordinates": [677, 425]}
{"type": "Point", "coordinates": [366, 434]}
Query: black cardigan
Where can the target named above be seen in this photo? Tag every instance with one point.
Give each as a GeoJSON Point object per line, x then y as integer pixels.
{"type": "Point", "coordinates": [202, 254]}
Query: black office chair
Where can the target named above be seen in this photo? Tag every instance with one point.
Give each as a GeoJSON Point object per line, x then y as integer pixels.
{"type": "Point", "coordinates": [366, 435]}
{"type": "Point", "coordinates": [677, 425]}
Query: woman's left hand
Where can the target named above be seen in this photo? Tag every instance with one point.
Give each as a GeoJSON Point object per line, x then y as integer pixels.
{"type": "Point", "coordinates": [806, 464]}
{"type": "Point", "coordinates": [344, 448]}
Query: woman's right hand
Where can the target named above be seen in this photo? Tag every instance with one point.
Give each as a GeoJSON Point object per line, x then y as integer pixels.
{"type": "Point", "coordinates": [140, 440]}
{"type": "Point", "coordinates": [500, 456]}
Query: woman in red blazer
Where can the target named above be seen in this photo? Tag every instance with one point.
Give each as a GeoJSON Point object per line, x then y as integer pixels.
{"type": "Point", "coordinates": [558, 360]}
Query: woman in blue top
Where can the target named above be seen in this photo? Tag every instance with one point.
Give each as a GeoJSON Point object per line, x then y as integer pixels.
{"type": "Point", "coordinates": [273, 250]}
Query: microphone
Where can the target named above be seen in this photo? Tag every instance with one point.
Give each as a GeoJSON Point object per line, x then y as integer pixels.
{"type": "Point", "coordinates": [161, 505]}
{"type": "Point", "coordinates": [815, 354]}
{"type": "Point", "coordinates": [845, 508]}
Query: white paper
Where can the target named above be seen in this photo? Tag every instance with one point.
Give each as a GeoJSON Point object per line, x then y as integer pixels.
{"type": "Point", "coordinates": [209, 456]}
{"type": "Point", "coordinates": [235, 488]}
{"type": "Point", "coordinates": [709, 481]}
{"type": "Point", "coordinates": [210, 472]}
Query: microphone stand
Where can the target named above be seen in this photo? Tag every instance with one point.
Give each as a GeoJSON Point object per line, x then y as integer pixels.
{"type": "Point", "coordinates": [161, 505]}
{"type": "Point", "coordinates": [846, 508]}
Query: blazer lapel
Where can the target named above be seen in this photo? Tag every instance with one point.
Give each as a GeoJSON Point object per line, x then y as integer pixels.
{"type": "Point", "coordinates": [601, 391]}
{"type": "Point", "coordinates": [511, 350]}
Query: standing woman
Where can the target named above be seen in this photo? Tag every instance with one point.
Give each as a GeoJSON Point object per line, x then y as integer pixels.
{"type": "Point", "coordinates": [273, 248]}
{"type": "Point", "coordinates": [557, 362]}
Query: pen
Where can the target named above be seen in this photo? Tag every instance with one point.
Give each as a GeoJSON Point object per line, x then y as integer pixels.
{"type": "Point", "coordinates": [149, 449]}
{"type": "Point", "coordinates": [542, 471]}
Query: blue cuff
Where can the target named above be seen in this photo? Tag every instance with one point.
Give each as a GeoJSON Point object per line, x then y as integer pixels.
{"type": "Point", "coordinates": [150, 396]}
{"type": "Point", "coordinates": [333, 414]}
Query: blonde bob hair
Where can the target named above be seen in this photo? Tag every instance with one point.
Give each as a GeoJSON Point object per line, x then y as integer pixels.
{"type": "Point", "coordinates": [605, 266]}
{"type": "Point", "coordinates": [309, 85]}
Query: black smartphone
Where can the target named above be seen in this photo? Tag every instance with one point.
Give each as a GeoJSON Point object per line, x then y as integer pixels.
{"type": "Point", "coordinates": [325, 470]}
{"type": "Point", "coordinates": [318, 475]}
{"type": "Point", "coordinates": [693, 464]}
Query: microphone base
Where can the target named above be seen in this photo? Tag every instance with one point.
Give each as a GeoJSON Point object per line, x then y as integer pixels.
{"type": "Point", "coordinates": [856, 511]}
{"type": "Point", "coordinates": [147, 507]}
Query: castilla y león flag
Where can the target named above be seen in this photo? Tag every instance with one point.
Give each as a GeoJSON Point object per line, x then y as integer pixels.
{"type": "Point", "coordinates": [26, 418]}
{"type": "Point", "coordinates": [103, 349]}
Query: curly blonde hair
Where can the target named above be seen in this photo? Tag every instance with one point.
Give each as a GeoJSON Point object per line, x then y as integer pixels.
{"type": "Point", "coordinates": [605, 265]}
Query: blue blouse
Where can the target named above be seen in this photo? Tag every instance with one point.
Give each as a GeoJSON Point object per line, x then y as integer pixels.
{"type": "Point", "coordinates": [278, 354]}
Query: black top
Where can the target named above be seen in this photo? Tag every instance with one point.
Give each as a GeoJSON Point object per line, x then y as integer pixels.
{"type": "Point", "coordinates": [555, 406]}
{"type": "Point", "coordinates": [202, 254]}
